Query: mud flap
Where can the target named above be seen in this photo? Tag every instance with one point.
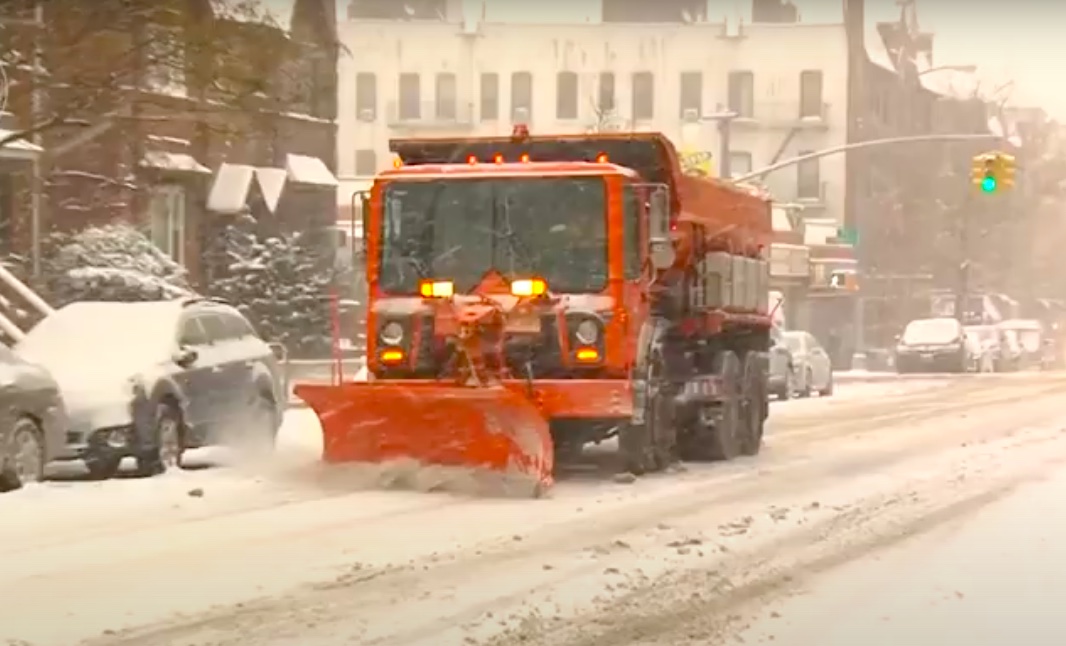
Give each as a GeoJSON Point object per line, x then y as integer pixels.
{"type": "Point", "coordinates": [435, 424]}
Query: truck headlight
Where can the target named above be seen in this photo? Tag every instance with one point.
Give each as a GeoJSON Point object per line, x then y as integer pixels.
{"type": "Point", "coordinates": [587, 332]}
{"type": "Point", "coordinates": [391, 333]}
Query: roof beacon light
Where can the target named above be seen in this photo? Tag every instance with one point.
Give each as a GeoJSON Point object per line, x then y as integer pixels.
{"type": "Point", "coordinates": [601, 158]}
{"type": "Point", "coordinates": [397, 163]}
{"type": "Point", "coordinates": [520, 132]}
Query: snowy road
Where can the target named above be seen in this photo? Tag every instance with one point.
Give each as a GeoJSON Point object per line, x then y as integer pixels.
{"type": "Point", "coordinates": [286, 553]}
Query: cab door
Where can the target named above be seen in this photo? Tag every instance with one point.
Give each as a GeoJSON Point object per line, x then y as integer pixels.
{"type": "Point", "coordinates": [634, 294]}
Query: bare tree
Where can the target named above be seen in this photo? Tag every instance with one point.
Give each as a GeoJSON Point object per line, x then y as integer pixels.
{"type": "Point", "coordinates": [93, 64]}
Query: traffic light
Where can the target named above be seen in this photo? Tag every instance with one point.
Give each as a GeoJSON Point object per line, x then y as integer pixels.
{"type": "Point", "coordinates": [1005, 171]}
{"type": "Point", "coordinates": [993, 172]}
{"type": "Point", "coordinates": [983, 172]}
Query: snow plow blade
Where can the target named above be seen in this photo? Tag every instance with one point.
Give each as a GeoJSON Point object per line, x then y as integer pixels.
{"type": "Point", "coordinates": [486, 429]}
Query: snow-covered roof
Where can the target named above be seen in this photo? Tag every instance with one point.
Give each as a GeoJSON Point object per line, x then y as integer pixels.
{"type": "Point", "coordinates": [177, 162]}
{"type": "Point", "coordinates": [271, 184]}
{"type": "Point", "coordinates": [303, 169]}
{"type": "Point", "coordinates": [229, 192]}
{"type": "Point", "coordinates": [876, 50]}
{"type": "Point", "coordinates": [26, 148]}
{"type": "Point", "coordinates": [275, 13]}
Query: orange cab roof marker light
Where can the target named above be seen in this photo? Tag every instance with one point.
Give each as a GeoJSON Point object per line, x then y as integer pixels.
{"type": "Point", "coordinates": [601, 158]}
{"type": "Point", "coordinates": [471, 160]}
{"type": "Point", "coordinates": [498, 158]}
{"type": "Point", "coordinates": [397, 163]}
{"type": "Point", "coordinates": [524, 157]}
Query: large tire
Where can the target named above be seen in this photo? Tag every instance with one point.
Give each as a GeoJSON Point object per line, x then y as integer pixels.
{"type": "Point", "coordinates": [648, 446]}
{"type": "Point", "coordinates": [723, 440]}
{"type": "Point", "coordinates": [808, 379]}
{"type": "Point", "coordinates": [753, 397]}
{"type": "Point", "coordinates": [25, 463]}
{"type": "Point", "coordinates": [168, 440]}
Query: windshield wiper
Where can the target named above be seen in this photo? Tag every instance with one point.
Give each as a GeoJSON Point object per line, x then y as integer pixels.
{"type": "Point", "coordinates": [517, 250]}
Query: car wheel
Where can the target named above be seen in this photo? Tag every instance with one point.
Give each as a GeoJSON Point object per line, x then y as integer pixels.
{"type": "Point", "coordinates": [808, 383]}
{"type": "Point", "coordinates": [169, 439]}
{"type": "Point", "coordinates": [26, 461]}
{"type": "Point", "coordinates": [263, 430]}
{"type": "Point", "coordinates": [828, 390]}
{"type": "Point", "coordinates": [102, 467]}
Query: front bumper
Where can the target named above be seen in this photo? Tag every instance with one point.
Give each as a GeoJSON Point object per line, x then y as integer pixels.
{"type": "Point", "coordinates": [930, 361]}
{"type": "Point", "coordinates": [101, 430]}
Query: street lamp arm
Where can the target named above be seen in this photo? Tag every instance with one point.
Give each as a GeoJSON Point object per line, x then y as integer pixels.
{"type": "Point", "coordinates": [872, 143]}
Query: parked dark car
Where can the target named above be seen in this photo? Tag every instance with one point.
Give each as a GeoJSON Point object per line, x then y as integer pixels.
{"type": "Point", "coordinates": [934, 345]}
{"type": "Point", "coordinates": [32, 421]}
{"type": "Point", "coordinates": [150, 380]}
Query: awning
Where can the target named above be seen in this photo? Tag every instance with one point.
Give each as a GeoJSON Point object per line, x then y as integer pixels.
{"type": "Point", "coordinates": [19, 148]}
{"type": "Point", "coordinates": [229, 192]}
{"type": "Point", "coordinates": [173, 162]}
{"type": "Point", "coordinates": [303, 169]}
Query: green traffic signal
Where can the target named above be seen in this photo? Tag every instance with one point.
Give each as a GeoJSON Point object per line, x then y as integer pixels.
{"type": "Point", "coordinates": [988, 184]}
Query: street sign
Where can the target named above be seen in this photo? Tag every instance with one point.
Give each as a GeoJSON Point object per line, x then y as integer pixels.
{"type": "Point", "coordinates": [847, 235]}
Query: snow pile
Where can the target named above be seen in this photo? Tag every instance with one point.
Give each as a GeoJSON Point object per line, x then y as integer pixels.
{"type": "Point", "coordinates": [115, 262]}
{"type": "Point", "coordinates": [281, 284]}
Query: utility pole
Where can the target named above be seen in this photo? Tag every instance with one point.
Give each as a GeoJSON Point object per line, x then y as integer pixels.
{"type": "Point", "coordinates": [724, 121]}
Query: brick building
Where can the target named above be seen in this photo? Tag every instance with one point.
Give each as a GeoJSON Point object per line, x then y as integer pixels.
{"type": "Point", "coordinates": [171, 115]}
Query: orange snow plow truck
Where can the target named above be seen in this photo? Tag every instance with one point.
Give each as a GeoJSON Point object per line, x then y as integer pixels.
{"type": "Point", "coordinates": [532, 294]}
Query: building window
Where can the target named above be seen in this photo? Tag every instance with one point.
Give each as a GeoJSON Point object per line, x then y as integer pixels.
{"type": "Point", "coordinates": [366, 162]}
{"type": "Point", "coordinates": [742, 93]}
{"type": "Point", "coordinates": [566, 95]}
{"type": "Point", "coordinates": [809, 177]}
{"type": "Point", "coordinates": [446, 96]}
{"type": "Point", "coordinates": [366, 96]}
{"type": "Point", "coordinates": [643, 95]}
{"type": "Point", "coordinates": [490, 96]}
{"type": "Point", "coordinates": [410, 97]}
{"type": "Point", "coordinates": [691, 99]}
{"type": "Point", "coordinates": [811, 93]}
{"type": "Point", "coordinates": [739, 163]}
{"type": "Point", "coordinates": [606, 98]}
{"type": "Point", "coordinates": [167, 209]}
{"type": "Point", "coordinates": [521, 96]}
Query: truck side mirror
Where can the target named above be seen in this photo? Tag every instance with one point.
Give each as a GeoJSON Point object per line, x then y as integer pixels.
{"type": "Point", "coordinates": [660, 246]}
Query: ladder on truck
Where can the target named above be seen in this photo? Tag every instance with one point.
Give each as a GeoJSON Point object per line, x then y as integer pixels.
{"type": "Point", "coordinates": [11, 315]}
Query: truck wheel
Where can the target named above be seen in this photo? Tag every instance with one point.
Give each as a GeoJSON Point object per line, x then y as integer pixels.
{"type": "Point", "coordinates": [649, 445]}
{"type": "Point", "coordinates": [753, 397]}
{"type": "Point", "coordinates": [720, 440]}
{"type": "Point", "coordinates": [26, 461]}
{"type": "Point", "coordinates": [808, 383]}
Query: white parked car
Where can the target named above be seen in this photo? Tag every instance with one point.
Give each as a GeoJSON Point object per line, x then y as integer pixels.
{"type": "Point", "coordinates": [150, 380]}
{"type": "Point", "coordinates": [813, 368]}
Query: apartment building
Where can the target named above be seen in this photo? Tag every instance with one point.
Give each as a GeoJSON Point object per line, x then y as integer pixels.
{"type": "Point", "coordinates": [461, 76]}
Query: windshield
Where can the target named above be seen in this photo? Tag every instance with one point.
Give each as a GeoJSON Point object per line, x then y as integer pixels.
{"type": "Point", "coordinates": [458, 229]}
{"type": "Point", "coordinates": [1030, 339]}
{"type": "Point", "coordinates": [931, 331]}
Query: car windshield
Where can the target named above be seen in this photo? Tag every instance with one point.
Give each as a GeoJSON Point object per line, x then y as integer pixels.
{"type": "Point", "coordinates": [931, 331]}
{"type": "Point", "coordinates": [458, 229]}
